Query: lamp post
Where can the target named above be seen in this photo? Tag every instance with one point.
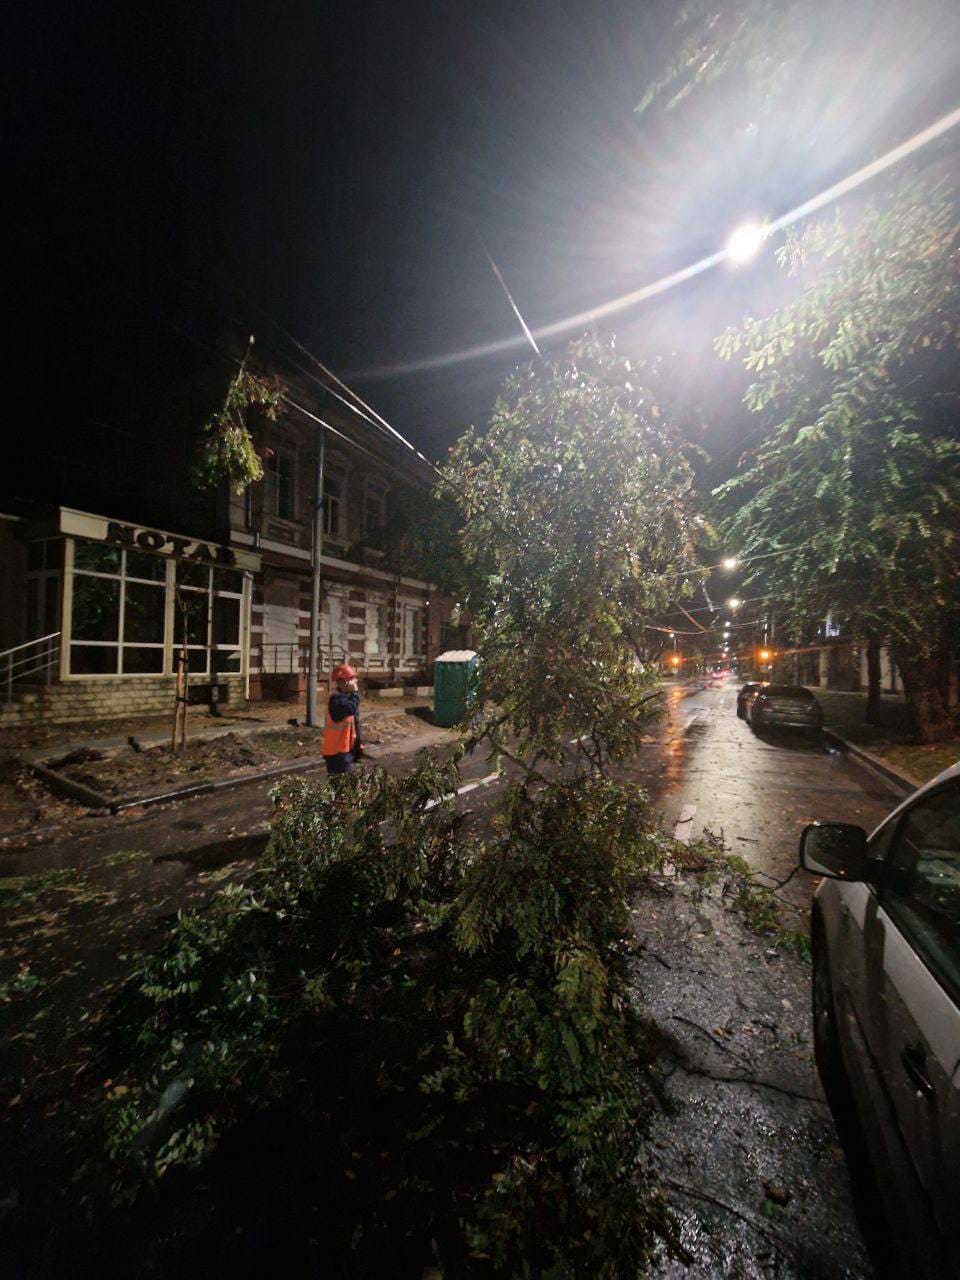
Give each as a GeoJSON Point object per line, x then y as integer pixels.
{"type": "Point", "coordinates": [745, 242]}
{"type": "Point", "coordinates": [314, 659]}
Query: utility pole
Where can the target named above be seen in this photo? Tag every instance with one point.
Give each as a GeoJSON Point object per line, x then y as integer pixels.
{"type": "Point", "coordinates": [313, 665]}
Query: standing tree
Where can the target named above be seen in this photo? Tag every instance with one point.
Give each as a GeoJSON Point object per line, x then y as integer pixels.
{"type": "Point", "coordinates": [578, 521]}
{"type": "Point", "coordinates": [856, 376]}
{"type": "Point", "coordinates": [853, 497]}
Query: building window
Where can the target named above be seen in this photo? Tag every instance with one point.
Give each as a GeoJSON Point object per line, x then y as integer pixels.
{"type": "Point", "coordinates": [121, 601]}
{"type": "Point", "coordinates": [376, 631]}
{"type": "Point", "coordinates": [334, 635]}
{"type": "Point", "coordinates": [375, 509]}
{"type": "Point", "coordinates": [208, 617]}
{"type": "Point", "coordinates": [334, 513]}
{"type": "Point", "coordinates": [414, 631]}
{"type": "Point", "coordinates": [281, 479]}
{"type": "Point", "coordinates": [119, 611]}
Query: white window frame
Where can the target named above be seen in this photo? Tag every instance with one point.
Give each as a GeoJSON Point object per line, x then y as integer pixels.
{"type": "Point", "coordinates": [167, 584]}
{"type": "Point", "coordinates": [415, 613]}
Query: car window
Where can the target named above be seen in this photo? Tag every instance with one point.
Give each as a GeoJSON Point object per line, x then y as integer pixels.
{"type": "Point", "coordinates": [920, 881]}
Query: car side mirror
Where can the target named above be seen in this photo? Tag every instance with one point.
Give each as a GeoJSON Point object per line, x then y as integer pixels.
{"type": "Point", "coordinates": [837, 850]}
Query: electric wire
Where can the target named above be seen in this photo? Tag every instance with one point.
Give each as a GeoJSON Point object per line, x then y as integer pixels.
{"type": "Point", "coordinates": [614, 306]}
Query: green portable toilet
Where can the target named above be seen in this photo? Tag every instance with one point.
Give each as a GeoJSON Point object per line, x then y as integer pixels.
{"type": "Point", "coordinates": [452, 673]}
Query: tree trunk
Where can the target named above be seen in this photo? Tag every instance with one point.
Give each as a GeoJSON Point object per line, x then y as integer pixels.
{"type": "Point", "coordinates": [920, 674]}
{"type": "Point", "coordinates": [873, 715]}
{"type": "Point", "coordinates": [947, 680]}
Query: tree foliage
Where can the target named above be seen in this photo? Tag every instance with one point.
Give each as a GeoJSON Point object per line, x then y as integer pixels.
{"type": "Point", "coordinates": [793, 67]}
{"type": "Point", "coordinates": [853, 497]}
{"type": "Point", "coordinates": [413, 1032]}
{"type": "Point", "coordinates": [579, 522]}
{"type": "Point", "coordinates": [228, 451]}
{"type": "Point", "coordinates": [409, 1045]}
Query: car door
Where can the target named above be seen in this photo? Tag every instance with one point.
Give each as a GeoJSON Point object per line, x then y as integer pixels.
{"type": "Point", "coordinates": [909, 1000]}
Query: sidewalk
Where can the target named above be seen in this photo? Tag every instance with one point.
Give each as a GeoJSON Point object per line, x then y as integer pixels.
{"type": "Point", "coordinates": [886, 747]}
{"type": "Point", "coordinates": [122, 761]}
{"type": "Point", "coordinates": [73, 908]}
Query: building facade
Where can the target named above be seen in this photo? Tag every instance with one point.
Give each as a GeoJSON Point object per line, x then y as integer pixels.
{"type": "Point", "coordinates": [96, 610]}
{"type": "Point", "coordinates": [388, 626]}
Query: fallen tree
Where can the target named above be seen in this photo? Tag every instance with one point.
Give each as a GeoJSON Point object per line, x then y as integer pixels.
{"type": "Point", "coordinates": [408, 1039]}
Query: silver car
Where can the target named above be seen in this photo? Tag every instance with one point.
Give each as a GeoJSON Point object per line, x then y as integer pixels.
{"type": "Point", "coordinates": [886, 1007]}
{"type": "Point", "coordinates": [784, 706]}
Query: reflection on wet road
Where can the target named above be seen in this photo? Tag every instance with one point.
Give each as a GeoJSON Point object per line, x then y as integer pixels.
{"type": "Point", "coordinates": [708, 770]}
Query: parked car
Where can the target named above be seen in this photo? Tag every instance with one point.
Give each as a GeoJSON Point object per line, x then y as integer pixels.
{"type": "Point", "coordinates": [746, 694]}
{"type": "Point", "coordinates": [886, 1007]}
{"type": "Point", "coordinates": [784, 706]}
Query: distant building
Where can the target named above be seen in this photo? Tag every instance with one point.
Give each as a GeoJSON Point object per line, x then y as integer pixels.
{"type": "Point", "coordinates": [389, 627]}
{"type": "Point", "coordinates": [95, 606]}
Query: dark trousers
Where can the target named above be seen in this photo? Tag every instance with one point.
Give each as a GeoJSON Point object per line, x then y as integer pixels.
{"type": "Point", "coordinates": [339, 763]}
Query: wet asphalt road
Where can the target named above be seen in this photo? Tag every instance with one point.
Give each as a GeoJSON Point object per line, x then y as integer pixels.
{"type": "Point", "coordinates": [745, 1108]}
{"type": "Point", "coordinates": [708, 770]}
{"type": "Point", "coordinates": [747, 1146]}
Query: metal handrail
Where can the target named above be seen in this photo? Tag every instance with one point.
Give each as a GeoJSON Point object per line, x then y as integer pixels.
{"type": "Point", "coordinates": [43, 656]}
{"type": "Point", "coordinates": [28, 644]}
{"type": "Point", "coordinates": [298, 656]}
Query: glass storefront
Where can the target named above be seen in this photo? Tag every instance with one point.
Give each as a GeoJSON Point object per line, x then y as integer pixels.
{"type": "Point", "coordinates": [128, 611]}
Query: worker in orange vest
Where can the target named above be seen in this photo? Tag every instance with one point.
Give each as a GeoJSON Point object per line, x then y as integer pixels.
{"type": "Point", "coordinates": [341, 732]}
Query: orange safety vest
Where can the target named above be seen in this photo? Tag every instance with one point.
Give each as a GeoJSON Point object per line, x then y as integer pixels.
{"type": "Point", "coordinates": [338, 736]}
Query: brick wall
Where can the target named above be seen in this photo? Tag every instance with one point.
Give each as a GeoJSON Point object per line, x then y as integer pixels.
{"type": "Point", "coordinates": [103, 699]}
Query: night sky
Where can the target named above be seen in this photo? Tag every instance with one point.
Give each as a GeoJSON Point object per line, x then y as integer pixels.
{"type": "Point", "coordinates": [186, 173]}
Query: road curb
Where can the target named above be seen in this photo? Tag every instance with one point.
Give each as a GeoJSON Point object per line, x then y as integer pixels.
{"type": "Point", "coordinates": [63, 785]}
{"type": "Point", "coordinates": [901, 780]}
{"type": "Point", "coordinates": [217, 784]}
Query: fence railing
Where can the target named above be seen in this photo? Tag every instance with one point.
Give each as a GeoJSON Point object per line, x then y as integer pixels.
{"type": "Point", "coordinates": [288, 657]}
{"type": "Point", "coordinates": [34, 661]}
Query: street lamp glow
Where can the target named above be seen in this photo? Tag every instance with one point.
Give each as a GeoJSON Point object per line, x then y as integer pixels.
{"type": "Point", "coordinates": [764, 655]}
{"type": "Point", "coordinates": [745, 242]}
{"type": "Point", "coordinates": [733, 603]}
{"type": "Point", "coordinates": [675, 660]}
{"type": "Point", "coordinates": [729, 563]}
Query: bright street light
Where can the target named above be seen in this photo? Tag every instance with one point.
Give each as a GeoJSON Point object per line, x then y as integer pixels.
{"type": "Point", "coordinates": [729, 563]}
{"type": "Point", "coordinates": [733, 603]}
{"type": "Point", "coordinates": [764, 655]}
{"type": "Point", "coordinates": [745, 242]}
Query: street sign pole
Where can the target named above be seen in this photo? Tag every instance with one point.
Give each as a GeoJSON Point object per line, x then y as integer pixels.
{"type": "Point", "coordinates": [313, 665]}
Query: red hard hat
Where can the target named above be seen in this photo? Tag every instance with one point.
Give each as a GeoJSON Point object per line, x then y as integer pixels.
{"type": "Point", "coordinates": [343, 671]}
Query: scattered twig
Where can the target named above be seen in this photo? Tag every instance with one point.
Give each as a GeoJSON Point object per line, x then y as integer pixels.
{"type": "Point", "coordinates": [752, 1081]}
{"type": "Point", "coordinates": [677, 1017]}
{"type": "Point", "coordinates": [776, 1240]}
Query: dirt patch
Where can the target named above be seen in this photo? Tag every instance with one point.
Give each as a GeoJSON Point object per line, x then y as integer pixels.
{"type": "Point", "coordinates": [25, 802]}
{"type": "Point", "coordinates": [134, 771]}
